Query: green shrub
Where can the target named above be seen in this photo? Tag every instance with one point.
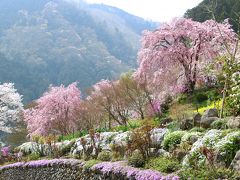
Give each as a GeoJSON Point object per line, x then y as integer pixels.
{"type": "Point", "coordinates": [172, 139]}
{"type": "Point", "coordinates": [110, 139]}
{"type": "Point", "coordinates": [197, 129]}
{"type": "Point", "coordinates": [116, 156]}
{"type": "Point", "coordinates": [228, 146]}
{"type": "Point", "coordinates": [104, 156]}
{"type": "Point", "coordinates": [233, 99]}
{"type": "Point", "coordinates": [99, 130]}
{"type": "Point", "coordinates": [182, 98]}
{"type": "Point", "coordinates": [166, 104]}
{"type": "Point", "coordinates": [136, 159]}
{"type": "Point", "coordinates": [200, 98]}
{"type": "Point", "coordinates": [33, 156]}
{"type": "Point", "coordinates": [90, 163]}
{"type": "Point", "coordinates": [191, 137]}
{"type": "Point", "coordinates": [118, 151]}
{"type": "Point", "coordinates": [219, 124]}
{"type": "Point", "coordinates": [163, 164]}
{"type": "Point", "coordinates": [213, 94]}
{"type": "Point", "coordinates": [121, 128]}
{"type": "Point", "coordinates": [174, 126]}
{"type": "Point", "coordinates": [132, 124]}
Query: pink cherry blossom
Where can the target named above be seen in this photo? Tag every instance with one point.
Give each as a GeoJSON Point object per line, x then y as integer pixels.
{"type": "Point", "coordinates": [174, 56]}
{"type": "Point", "coordinates": [56, 111]}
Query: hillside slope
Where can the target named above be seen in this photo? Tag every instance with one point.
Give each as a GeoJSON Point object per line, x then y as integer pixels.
{"type": "Point", "coordinates": [52, 42]}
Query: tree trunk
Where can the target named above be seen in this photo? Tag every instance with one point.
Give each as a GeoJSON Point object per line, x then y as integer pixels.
{"type": "Point", "coordinates": [142, 114]}
{"type": "Point", "coordinates": [190, 77]}
{"type": "Point", "coordinates": [109, 122]}
{"type": "Point", "coordinates": [224, 97]}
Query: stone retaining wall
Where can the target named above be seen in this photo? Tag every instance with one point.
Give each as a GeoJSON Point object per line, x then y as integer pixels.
{"type": "Point", "coordinates": [72, 169]}
{"type": "Point", "coordinates": [43, 170]}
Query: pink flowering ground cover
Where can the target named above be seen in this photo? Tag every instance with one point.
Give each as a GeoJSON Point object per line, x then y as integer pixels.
{"type": "Point", "coordinates": [44, 162]}
{"type": "Point", "coordinates": [138, 174]}
{"type": "Point", "coordinates": [105, 168]}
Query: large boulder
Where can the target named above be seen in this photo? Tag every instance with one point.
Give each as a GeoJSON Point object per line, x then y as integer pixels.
{"type": "Point", "coordinates": [234, 122]}
{"type": "Point", "coordinates": [157, 135]}
{"type": "Point", "coordinates": [197, 119]}
{"type": "Point", "coordinates": [209, 116]}
{"type": "Point", "coordinates": [63, 144]}
{"type": "Point", "coordinates": [33, 147]}
{"type": "Point", "coordinates": [179, 154]}
{"type": "Point", "coordinates": [235, 165]}
{"type": "Point", "coordinates": [121, 138]}
{"type": "Point", "coordinates": [213, 112]}
{"type": "Point", "coordinates": [166, 121]}
{"type": "Point", "coordinates": [28, 147]}
{"type": "Point", "coordinates": [2, 144]}
{"type": "Point", "coordinates": [186, 124]}
{"type": "Point", "coordinates": [162, 152]}
{"type": "Point", "coordinates": [206, 122]}
{"type": "Point", "coordinates": [219, 160]}
{"type": "Point", "coordinates": [106, 138]}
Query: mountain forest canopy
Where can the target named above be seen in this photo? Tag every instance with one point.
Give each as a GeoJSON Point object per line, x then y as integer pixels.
{"type": "Point", "coordinates": [223, 9]}
{"type": "Point", "coordinates": [53, 42]}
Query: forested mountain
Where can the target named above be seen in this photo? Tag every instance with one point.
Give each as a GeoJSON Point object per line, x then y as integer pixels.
{"type": "Point", "coordinates": [223, 9]}
{"type": "Point", "coordinates": [52, 42]}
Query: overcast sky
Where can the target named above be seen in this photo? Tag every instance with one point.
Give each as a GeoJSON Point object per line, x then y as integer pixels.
{"type": "Point", "coordinates": [157, 10]}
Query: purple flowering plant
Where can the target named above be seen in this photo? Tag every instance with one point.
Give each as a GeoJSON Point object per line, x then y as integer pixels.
{"type": "Point", "coordinates": [5, 151]}
{"type": "Point", "coordinates": [105, 168]}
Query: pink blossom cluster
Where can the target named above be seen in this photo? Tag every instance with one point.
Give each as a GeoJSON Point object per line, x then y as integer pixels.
{"type": "Point", "coordinates": [175, 55]}
{"type": "Point", "coordinates": [56, 111]}
{"type": "Point", "coordinates": [100, 88]}
{"type": "Point", "coordinates": [154, 108]}
{"type": "Point", "coordinates": [5, 151]}
{"type": "Point", "coordinates": [102, 85]}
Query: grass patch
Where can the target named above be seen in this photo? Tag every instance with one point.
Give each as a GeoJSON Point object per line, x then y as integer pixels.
{"type": "Point", "coordinates": [132, 124]}
{"type": "Point", "coordinates": [173, 126]}
{"type": "Point", "coordinates": [91, 163]}
{"type": "Point", "coordinates": [72, 136]}
{"type": "Point", "coordinates": [206, 173]}
{"type": "Point", "coordinates": [180, 111]}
